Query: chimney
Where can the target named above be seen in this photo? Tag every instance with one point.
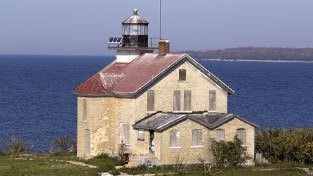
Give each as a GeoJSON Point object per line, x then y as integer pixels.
{"type": "Point", "coordinates": [164, 47]}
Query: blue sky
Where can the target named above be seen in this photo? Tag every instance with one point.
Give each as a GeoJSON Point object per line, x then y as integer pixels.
{"type": "Point", "coordinates": [81, 27]}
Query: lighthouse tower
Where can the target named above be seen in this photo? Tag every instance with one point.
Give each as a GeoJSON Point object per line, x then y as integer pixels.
{"type": "Point", "coordinates": [134, 40]}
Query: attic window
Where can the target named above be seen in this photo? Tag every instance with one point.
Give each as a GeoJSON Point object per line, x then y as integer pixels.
{"type": "Point", "coordinates": [241, 135]}
{"type": "Point", "coordinates": [182, 75]}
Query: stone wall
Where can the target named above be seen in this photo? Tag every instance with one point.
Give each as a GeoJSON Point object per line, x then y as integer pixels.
{"type": "Point", "coordinates": [187, 154]}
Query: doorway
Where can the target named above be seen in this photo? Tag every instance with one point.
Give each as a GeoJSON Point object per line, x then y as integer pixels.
{"type": "Point", "coordinates": [151, 142]}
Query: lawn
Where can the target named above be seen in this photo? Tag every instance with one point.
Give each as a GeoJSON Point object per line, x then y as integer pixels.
{"type": "Point", "coordinates": [57, 166]}
{"type": "Point", "coordinates": [52, 166]}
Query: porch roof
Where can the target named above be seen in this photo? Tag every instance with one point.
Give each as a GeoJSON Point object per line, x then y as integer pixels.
{"type": "Point", "coordinates": [161, 121]}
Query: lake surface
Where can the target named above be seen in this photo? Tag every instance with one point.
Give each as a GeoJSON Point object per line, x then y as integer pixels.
{"type": "Point", "coordinates": [37, 101]}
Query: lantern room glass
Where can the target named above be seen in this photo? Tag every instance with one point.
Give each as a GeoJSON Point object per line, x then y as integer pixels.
{"type": "Point", "coordinates": [135, 29]}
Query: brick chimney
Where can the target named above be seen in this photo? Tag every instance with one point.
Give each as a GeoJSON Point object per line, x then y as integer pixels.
{"type": "Point", "coordinates": [164, 47]}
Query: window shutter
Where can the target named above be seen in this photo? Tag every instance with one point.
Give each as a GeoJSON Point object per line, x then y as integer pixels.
{"type": "Point", "coordinates": [176, 103]}
{"type": "Point", "coordinates": [219, 135]}
{"type": "Point", "coordinates": [150, 100]}
{"type": "Point", "coordinates": [241, 135]}
{"type": "Point", "coordinates": [197, 137]}
{"type": "Point", "coordinates": [212, 100]}
{"type": "Point", "coordinates": [84, 110]}
{"type": "Point", "coordinates": [187, 100]}
{"type": "Point", "coordinates": [182, 75]}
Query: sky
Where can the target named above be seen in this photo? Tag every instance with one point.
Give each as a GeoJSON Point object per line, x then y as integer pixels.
{"type": "Point", "coordinates": [82, 27]}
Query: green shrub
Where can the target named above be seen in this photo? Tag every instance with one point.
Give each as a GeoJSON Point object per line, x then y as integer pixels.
{"type": "Point", "coordinates": [229, 153]}
{"type": "Point", "coordinates": [294, 145]}
{"type": "Point", "coordinates": [64, 145]}
{"type": "Point", "coordinates": [17, 146]}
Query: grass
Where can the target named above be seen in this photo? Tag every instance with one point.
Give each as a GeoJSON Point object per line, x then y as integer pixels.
{"type": "Point", "coordinates": [282, 169]}
{"type": "Point", "coordinates": [55, 165]}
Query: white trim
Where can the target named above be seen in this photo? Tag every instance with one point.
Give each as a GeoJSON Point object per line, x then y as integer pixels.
{"type": "Point", "coordinates": [174, 147]}
{"type": "Point", "coordinates": [200, 146]}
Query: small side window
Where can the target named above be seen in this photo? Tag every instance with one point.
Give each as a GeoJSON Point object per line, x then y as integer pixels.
{"type": "Point", "coordinates": [212, 100]}
{"type": "Point", "coordinates": [241, 135]}
{"type": "Point", "coordinates": [219, 135]}
{"type": "Point", "coordinates": [196, 138]}
{"type": "Point", "coordinates": [150, 100]}
{"type": "Point", "coordinates": [141, 135]}
{"type": "Point", "coordinates": [84, 118]}
{"type": "Point", "coordinates": [174, 138]}
{"type": "Point", "coordinates": [124, 133]}
{"type": "Point", "coordinates": [182, 75]}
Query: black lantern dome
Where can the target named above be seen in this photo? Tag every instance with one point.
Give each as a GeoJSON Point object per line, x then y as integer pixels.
{"type": "Point", "coordinates": [135, 31]}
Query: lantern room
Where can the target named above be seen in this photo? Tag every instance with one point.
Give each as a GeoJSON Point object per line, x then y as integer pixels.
{"type": "Point", "coordinates": [135, 31]}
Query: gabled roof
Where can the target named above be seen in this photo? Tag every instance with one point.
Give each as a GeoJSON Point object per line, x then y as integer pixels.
{"type": "Point", "coordinates": [161, 121]}
{"type": "Point", "coordinates": [130, 79]}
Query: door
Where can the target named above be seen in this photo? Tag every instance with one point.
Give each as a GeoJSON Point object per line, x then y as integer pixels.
{"type": "Point", "coordinates": [151, 142]}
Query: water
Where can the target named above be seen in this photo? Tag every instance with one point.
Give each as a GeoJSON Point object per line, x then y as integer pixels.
{"type": "Point", "coordinates": [37, 101]}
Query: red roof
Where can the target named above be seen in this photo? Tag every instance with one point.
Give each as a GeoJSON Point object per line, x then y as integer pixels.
{"type": "Point", "coordinates": [130, 78]}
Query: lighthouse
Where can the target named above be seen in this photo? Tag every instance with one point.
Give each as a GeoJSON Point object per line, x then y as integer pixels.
{"type": "Point", "coordinates": [134, 41]}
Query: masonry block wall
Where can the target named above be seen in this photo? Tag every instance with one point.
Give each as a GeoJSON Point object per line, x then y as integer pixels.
{"type": "Point", "coordinates": [104, 114]}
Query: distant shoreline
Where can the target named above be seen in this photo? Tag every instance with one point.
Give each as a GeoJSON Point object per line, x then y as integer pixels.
{"type": "Point", "coordinates": [250, 60]}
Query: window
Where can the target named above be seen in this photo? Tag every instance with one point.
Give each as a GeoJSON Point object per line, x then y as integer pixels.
{"type": "Point", "coordinates": [187, 100]}
{"type": "Point", "coordinates": [241, 135]}
{"type": "Point", "coordinates": [176, 101]}
{"type": "Point", "coordinates": [182, 75]}
{"type": "Point", "coordinates": [84, 118]}
{"type": "Point", "coordinates": [196, 137]}
{"type": "Point", "coordinates": [212, 100]}
{"type": "Point", "coordinates": [150, 100]}
{"type": "Point", "coordinates": [219, 135]}
{"type": "Point", "coordinates": [174, 138]}
{"type": "Point", "coordinates": [124, 133]}
{"type": "Point", "coordinates": [141, 135]}
{"type": "Point", "coordinates": [87, 143]}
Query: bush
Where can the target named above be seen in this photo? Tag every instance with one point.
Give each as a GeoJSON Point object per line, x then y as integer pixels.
{"type": "Point", "coordinates": [64, 145]}
{"type": "Point", "coordinates": [286, 145]}
{"type": "Point", "coordinates": [229, 153]}
{"type": "Point", "coordinates": [17, 146]}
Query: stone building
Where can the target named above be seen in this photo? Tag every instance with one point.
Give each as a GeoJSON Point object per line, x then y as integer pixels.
{"type": "Point", "coordinates": [162, 106]}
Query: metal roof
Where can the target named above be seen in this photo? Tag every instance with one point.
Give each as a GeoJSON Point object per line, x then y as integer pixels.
{"type": "Point", "coordinates": [161, 121]}
{"type": "Point", "coordinates": [130, 79]}
{"type": "Point", "coordinates": [135, 19]}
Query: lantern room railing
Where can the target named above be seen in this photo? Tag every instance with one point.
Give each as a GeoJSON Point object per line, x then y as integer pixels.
{"type": "Point", "coordinates": [130, 43]}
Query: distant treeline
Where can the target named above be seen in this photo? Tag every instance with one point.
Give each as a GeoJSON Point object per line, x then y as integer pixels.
{"type": "Point", "coordinates": [256, 53]}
